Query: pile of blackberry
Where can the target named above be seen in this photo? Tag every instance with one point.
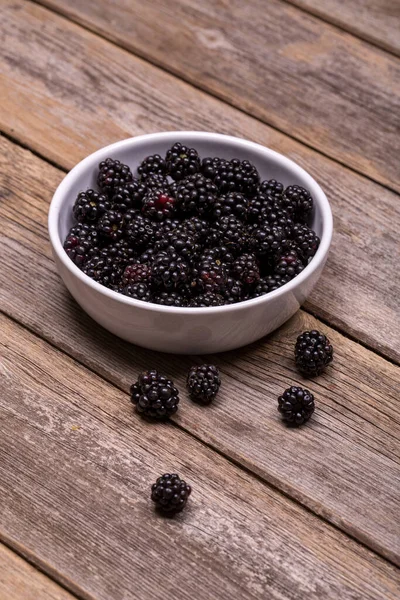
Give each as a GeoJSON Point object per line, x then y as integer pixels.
{"type": "Point", "coordinates": [189, 232]}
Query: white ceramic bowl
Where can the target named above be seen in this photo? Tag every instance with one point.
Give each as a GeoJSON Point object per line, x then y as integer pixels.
{"type": "Point", "coordinates": [187, 330]}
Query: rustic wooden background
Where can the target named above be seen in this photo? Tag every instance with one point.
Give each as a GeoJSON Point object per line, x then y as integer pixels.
{"type": "Point", "coordinates": [277, 514]}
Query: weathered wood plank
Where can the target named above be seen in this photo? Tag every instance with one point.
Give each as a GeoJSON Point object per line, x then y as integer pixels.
{"type": "Point", "coordinates": [350, 449]}
{"type": "Point", "coordinates": [76, 467]}
{"type": "Point", "coordinates": [322, 86]}
{"type": "Point", "coordinates": [97, 93]}
{"type": "Point", "coordinates": [377, 21]}
{"type": "Point", "coordinates": [21, 581]}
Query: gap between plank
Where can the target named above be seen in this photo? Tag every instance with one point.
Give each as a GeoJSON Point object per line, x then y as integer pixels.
{"type": "Point", "coordinates": [165, 68]}
{"type": "Point", "coordinates": [219, 452]}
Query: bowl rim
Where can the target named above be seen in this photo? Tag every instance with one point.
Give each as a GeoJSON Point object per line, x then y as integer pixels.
{"type": "Point", "coordinates": [60, 195]}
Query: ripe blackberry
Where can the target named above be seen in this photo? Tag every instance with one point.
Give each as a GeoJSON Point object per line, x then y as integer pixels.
{"type": "Point", "coordinates": [152, 165]}
{"type": "Point", "coordinates": [112, 174]}
{"type": "Point", "coordinates": [296, 405]}
{"type": "Point", "coordinates": [140, 232]}
{"type": "Point", "coordinates": [203, 383]}
{"type": "Point", "coordinates": [170, 493]}
{"type": "Point", "coordinates": [170, 270]}
{"type": "Point", "coordinates": [196, 227]}
{"type": "Point", "coordinates": [147, 257]}
{"type": "Point", "coordinates": [158, 182]}
{"type": "Point", "coordinates": [196, 195]}
{"type": "Point", "coordinates": [289, 265]}
{"type": "Point", "coordinates": [232, 203]}
{"type": "Point", "coordinates": [129, 195]}
{"type": "Point", "coordinates": [154, 395]}
{"type": "Point", "coordinates": [271, 187]}
{"type": "Point", "coordinates": [234, 291]}
{"type": "Point", "coordinates": [231, 233]}
{"type": "Point", "coordinates": [170, 299]}
{"type": "Point", "coordinates": [313, 352]}
{"type": "Point", "coordinates": [268, 241]}
{"type": "Point", "coordinates": [81, 242]}
{"type": "Point", "coordinates": [206, 300]}
{"type": "Point", "coordinates": [110, 226]}
{"type": "Point", "coordinates": [232, 175]}
{"type": "Point", "coordinates": [136, 272]}
{"type": "Point", "coordinates": [221, 254]}
{"type": "Point", "coordinates": [158, 205]}
{"type": "Point", "coordinates": [139, 291]}
{"type": "Point", "coordinates": [173, 188]}
{"type": "Point", "coordinates": [269, 284]}
{"type": "Point", "coordinates": [103, 269]}
{"type": "Point", "coordinates": [306, 240]}
{"type": "Point", "coordinates": [184, 244]}
{"type": "Point", "coordinates": [246, 269]}
{"type": "Point", "coordinates": [120, 252]}
{"type": "Point", "coordinates": [301, 199]}
{"type": "Point", "coordinates": [90, 206]}
{"type": "Point", "coordinates": [209, 275]}
{"type": "Point", "coordinates": [182, 161]}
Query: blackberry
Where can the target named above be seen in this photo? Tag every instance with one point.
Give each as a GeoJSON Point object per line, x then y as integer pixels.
{"type": "Point", "coordinates": [268, 241]}
{"type": "Point", "coordinates": [231, 233]}
{"type": "Point", "coordinates": [112, 174]}
{"type": "Point", "coordinates": [233, 203]}
{"type": "Point", "coordinates": [147, 257]}
{"type": "Point", "coordinates": [221, 254]}
{"type": "Point", "coordinates": [110, 226]}
{"type": "Point", "coordinates": [196, 195]}
{"type": "Point", "coordinates": [158, 205]}
{"type": "Point", "coordinates": [154, 395]}
{"type": "Point", "coordinates": [269, 284]}
{"type": "Point", "coordinates": [296, 405]}
{"type": "Point", "coordinates": [246, 269]}
{"type": "Point", "coordinates": [170, 270]}
{"type": "Point", "coordinates": [158, 182]}
{"type": "Point", "coordinates": [196, 227]}
{"type": "Point", "coordinates": [289, 265]}
{"type": "Point", "coordinates": [203, 383]}
{"type": "Point", "coordinates": [232, 175]}
{"type": "Point", "coordinates": [90, 206]}
{"type": "Point", "coordinates": [180, 242]}
{"type": "Point", "coordinates": [81, 242]}
{"type": "Point", "coordinates": [103, 269]}
{"type": "Point", "coordinates": [137, 272]}
{"type": "Point", "coordinates": [301, 199]}
{"type": "Point", "coordinates": [170, 493]}
{"type": "Point", "coordinates": [173, 188]}
{"type": "Point", "coordinates": [306, 240]}
{"type": "Point", "coordinates": [182, 161]}
{"type": "Point", "coordinates": [267, 210]}
{"type": "Point", "coordinates": [120, 252]}
{"type": "Point", "coordinates": [170, 299]}
{"type": "Point", "coordinates": [206, 300]}
{"type": "Point", "coordinates": [129, 195]}
{"type": "Point", "coordinates": [271, 187]}
{"type": "Point", "coordinates": [152, 165]}
{"type": "Point", "coordinates": [234, 291]}
{"type": "Point", "coordinates": [210, 275]}
{"type": "Point", "coordinates": [313, 352]}
{"type": "Point", "coordinates": [139, 291]}
{"type": "Point", "coordinates": [140, 232]}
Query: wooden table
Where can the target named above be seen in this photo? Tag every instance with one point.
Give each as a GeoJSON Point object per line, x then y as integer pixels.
{"type": "Point", "coordinates": [275, 513]}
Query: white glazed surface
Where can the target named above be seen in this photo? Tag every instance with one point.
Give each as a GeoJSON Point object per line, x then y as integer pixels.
{"type": "Point", "coordinates": [187, 330]}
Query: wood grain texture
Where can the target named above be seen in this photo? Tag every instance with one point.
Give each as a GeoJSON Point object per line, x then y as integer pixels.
{"type": "Point", "coordinates": [377, 21]}
{"type": "Point", "coordinates": [314, 82]}
{"type": "Point", "coordinates": [67, 93]}
{"type": "Point", "coordinates": [76, 468]}
{"type": "Point", "coordinates": [344, 465]}
{"type": "Point", "coordinates": [21, 581]}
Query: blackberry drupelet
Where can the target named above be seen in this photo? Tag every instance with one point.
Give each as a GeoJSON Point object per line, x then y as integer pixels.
{"type": "Point", "coordinates": [140, 232]}
{"type": "Point", "coordinates": [139, 291]}
{"type": "Point", "coordinates": [152, 165]}
{"type": "Point", "coordinates": [208, 299]}
{"type": "Point", "coordinates": [268, 241]}
{"type": "Point", "coordinates": [182, 161]}
{"type": "Point", "coordinates": [170, 270]}
{"type": "Point", "coordinates": [296, 405]}
{"type": "Point", "coordinates": [313, 352]}
{"type": "Point", "coordinates": [110, 226]}
{"type": "Point", "coordinates": [112, 174]}
{"type": "Point", "coordinates": [170, 493]}
{"type": "Point", "coordinates": [271, 188]}
{"type": "Point", "coordinates": [289, 265]}
{"type": "Point", "coordinates": [137, 272]}
{"type": "Point", "coordinates": [232, 203]}
{"type": "Point", "coordinates": [129, 195]}
{"type": "Point", "coordinates": [184, 244]}
{"type": "Point", "coordinates": [246, 269]}
{"type": "Point", "coordinates": [232, 175]}
{"type": "Point", "coordinates": [154, 395]}
{"type": "Point", "coordinates": [147, 257]}
{"type": "Point", "coordinates": [269, 284]}
{"type": "Point", "coordinates": [90, 206]}
{"type": "Point", "coordinates": [302, 201]}
{"type": "Point", "coordinates": [81, 242]}
{"type": "Point", "coordinates": [158, 205]}
{"type": "Point", "coordinates": [196, 195]}
{"type": "Point", "coordinates": [306, 240]}
{"type": "Point", "coordinates": [170, 299]}
{"type": "Point", "coordinates": [231, 233]}
{"type": "Point", "coordinates": [203, 383]}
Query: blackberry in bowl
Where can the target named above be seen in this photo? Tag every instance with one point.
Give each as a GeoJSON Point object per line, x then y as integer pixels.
{"type": "Point", "coordinates": [234, 237]}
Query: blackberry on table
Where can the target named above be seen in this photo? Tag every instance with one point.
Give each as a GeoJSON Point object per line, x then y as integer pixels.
{"type": "Point", "coordinates": [170, 299]}
{"type": "Point", "coordinates": [129, 195]}
{"type": "Point", "coordinates": [152, 165]}
{"type": "Point", "coordinates": [305, 239]}
{"type": "Point", "coordinates": [110, 226]}
{"type": "Point", "coordinates": [137, 272]}
{"type": "Point", "coordinates": [139, 291]}
{"type": "Point", "coordinates": [112, 174]}
{"type": "Point", "coordinates": [90, 206]}
{"type": "Point", "coordinates": [158, 205]}
{"type": "Point", "coordinates": [206, 300]}
{"type": "Point", "coordinates": [140, 232]}
{"type": "Point", "coordinates": [203, 383]}
{"type": "Point", "coordinates": [269, 283]}
{"type": "Point", "coordinates": [313, 353]}
{"type": "Point", "coordinates": [246, 269]}
{"type": "Point", "coordinates": [302, 201]}
{"type": "Point", "coordinates": [289, 265]}
{"type": "Point", "coordinates": [154, 395]}
{"type": "Point", "coordinates": [170, 270]}
{"type": "Point", "coordinates": [196, 195]}
{"type": "Point", "coordinates": [81, 242]}
{"type": "Point", "coordinates": [296, 405]}
{"type": "Point", "coordinates": [170, 493]}
{"type": "Point", "coordinates": [182, 161]}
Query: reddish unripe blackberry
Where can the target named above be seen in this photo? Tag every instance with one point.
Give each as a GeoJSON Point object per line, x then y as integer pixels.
{"type": "Point", "coordinates": [170, 493]}
{"type": "Point", "coordinates": [196, 195]}
{"type": "Point", "coordinates": [305, 239]}
{"type": "Point", "coordinates": [289, 265]}
{"type": "Point", "coordinates": [90, 206]}
{"type": "Point", "coordinates": [158, 205]}
{"type": "Point", "coordinates": [139, 291]}
{"type": "Point", "coordinates": [152, 165]}
{"type": "Point", "coordinates": [112, 174]}
{"type": "Point", "coordinates": [296, 405]}
{"type": "Point", "coordinates": [129, 195]}
{"type": "Point", "coordinates": [203, 383]}
{"type": "Point", "coordinates": [246, 269]}
{"type": "Point", "coordinates": [137, 272]}
{"type": "Point", "coordinates": [154, 395]}
{"type": "Point", "coordinates": [206, 300]}
{"type": "Point", "coordinates": [110, 226]}
{"type": "Point", "coordinates": [170, 299]}
{"type": "Point", "coordinates": [140, 232]}
{"type": "Point", "coordinates": [302, 200]}
{"type": "Point", "coordinates": [313, 352]}
{"type": "Point", "coordinates": [81, 242]}
{"type": "Point", "coordinates": [170, 270]}
{"type": "Point", "coordinates": [182, 161]}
